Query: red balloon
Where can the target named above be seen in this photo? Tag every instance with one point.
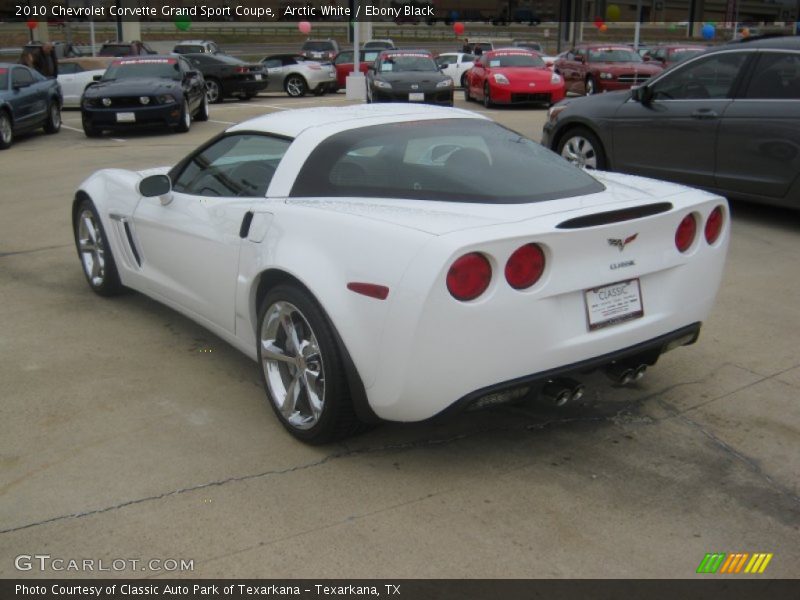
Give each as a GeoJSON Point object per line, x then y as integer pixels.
{"type": "Point", "coordinates": [32, 24]}
{"type": "Point", "coordinates": [458, 28]}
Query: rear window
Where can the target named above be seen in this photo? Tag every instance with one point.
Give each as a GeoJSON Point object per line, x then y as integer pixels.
{"type": "Point", "coordinates": [189, 49]}
{"type": "Point", "coordinates": [318, 46]}
{"type": "Point", "coordinates": [451, 160]}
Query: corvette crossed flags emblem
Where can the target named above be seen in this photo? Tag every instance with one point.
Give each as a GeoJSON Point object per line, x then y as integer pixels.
{"type": "Point", "coordinates": [620, 243]}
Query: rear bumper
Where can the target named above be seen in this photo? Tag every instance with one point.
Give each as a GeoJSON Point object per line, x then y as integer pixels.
{"type": "Point", "coordinates": [233, 87]}
{"type": "Point", "coordinates": [643, 353]}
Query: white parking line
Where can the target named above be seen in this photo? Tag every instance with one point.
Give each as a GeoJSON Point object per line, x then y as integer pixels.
{"type": "Point", "coordinates": [222, 122]}
{"type": "Point", "coordinates": [254, 105]}
{"type": "Point", "coordinates": [81, 131]}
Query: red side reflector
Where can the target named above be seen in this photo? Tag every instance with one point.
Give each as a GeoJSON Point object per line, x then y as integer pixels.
{"type": "Point", "coordinates": [381, 292]}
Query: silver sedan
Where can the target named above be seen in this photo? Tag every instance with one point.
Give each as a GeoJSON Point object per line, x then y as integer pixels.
{"type": "Point", "coordinates": [295, 75]}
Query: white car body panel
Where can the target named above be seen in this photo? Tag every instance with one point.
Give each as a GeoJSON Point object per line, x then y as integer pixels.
{"type": "Point", "coordinates": [420, 350]}
{"type": "Point", "coordinates": [457, 66]}
{"type": "Point", "coordinates": [72, 86]}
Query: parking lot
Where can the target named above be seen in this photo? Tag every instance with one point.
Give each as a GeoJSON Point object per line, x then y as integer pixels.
{"type": "Point", "coordinates": [129, 432]}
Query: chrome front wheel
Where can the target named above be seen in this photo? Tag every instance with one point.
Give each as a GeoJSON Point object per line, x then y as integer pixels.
{"type": "Point", "coordinates": [94, 251]}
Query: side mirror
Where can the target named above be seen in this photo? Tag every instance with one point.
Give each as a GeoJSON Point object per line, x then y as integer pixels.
{"type": "Point", "coordinates": [97, 78]}
{"type": "Point", "coordinates": [156, 186]}
{"type": "Point", "coordinates": [19, 86]}
{"type": "Point", "coordinates": [190, 74]}
{"type": "Point", "coordinates": [642, 94]}
{"type": "Point", "coordinates": [443, 66]}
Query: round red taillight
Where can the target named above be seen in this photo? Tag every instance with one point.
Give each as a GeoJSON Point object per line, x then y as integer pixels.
{"type": "Point", "coordinates": [469, 276]}
{"type": "Point", "coordinates": [684, 236]}
{"type": "Point", "coordinates": [714, 225]}
{"type": "Point", "coordinates": [525, 266]}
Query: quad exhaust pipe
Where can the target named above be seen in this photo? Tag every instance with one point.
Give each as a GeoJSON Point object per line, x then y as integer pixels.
{"type": "Point", "coordinates": [563, 390]}
{"type": "Point", "coordinates": [625, 373]}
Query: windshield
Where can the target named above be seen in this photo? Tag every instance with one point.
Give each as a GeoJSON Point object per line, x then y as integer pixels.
{"type": "Point", "coordinates": [613, 55]}
{"type": "Point", "coordinates": [144, 67]}
{"type": "Point", "coordinates": [3, 79]}
{"type": "Point", "coordinates": [451, 160]}
{"type": "Point", "coordinates": [515, 59]}
{"type": "Point", "coordinates": [318, 46]}
{"type": "Point", "coordinates": [404, 63]}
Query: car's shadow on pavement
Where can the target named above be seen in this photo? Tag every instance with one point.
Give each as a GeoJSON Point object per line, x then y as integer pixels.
{"type": "Point", "coordinates": [779, 217]}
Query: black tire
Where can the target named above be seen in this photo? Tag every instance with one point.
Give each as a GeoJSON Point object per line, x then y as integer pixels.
{"type": "Point", "coordinates": [591, 88]}
{"type": "Point", "coordinates": [90, 130]}
{"type": "Point", "coordinates": [214, 91]}
{"type": "Point", "coordinates": [202, 112]}
{"type": "Point", "coordinates": [295, 85]}
{"type": "Point", "coordinates": [6, 130]}
{"type": "Point", "coordinates": [53, 122]}
{"type": "Point", "coordinates": [337, 418]}
{"type": "Point", "coordinates": [487, 95]}
{"type": "Point", "coordinates": [110, 284]}
{"type": "Point", "coordinates": [186, 119]}
{"type": "Point", "coordinates": [601, 162]}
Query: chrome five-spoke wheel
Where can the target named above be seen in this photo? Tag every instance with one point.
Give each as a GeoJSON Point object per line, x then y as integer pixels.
{"type": "Point", "coordinates": [293, 365]}
{"type": "Point", "coordinates": [91, 248]}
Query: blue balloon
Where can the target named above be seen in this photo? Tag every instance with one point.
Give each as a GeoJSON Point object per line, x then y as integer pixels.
{"type": "Point", "coordinates": [709, 31]}
{"type": "Point", "coordinates": [454, 15]}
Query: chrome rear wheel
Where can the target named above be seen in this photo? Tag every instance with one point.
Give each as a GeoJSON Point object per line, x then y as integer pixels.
{"type": "Point", "coordinates": [91, 249]}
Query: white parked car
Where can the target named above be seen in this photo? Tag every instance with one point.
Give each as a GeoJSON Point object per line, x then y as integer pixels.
{"type": "Point", "coordinates": [455, 65]}
{"type": "Point", "coordinates": [296, 75]}
{"type": "Point", "coordinates": [372, 278]}
{"type": "Point", "coordinates": [74, 74]}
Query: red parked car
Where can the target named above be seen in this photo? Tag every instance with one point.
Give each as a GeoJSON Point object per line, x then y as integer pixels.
{"type": "Point", "coordinates": [513, 76]}
{"type": "Point", "coordinates": [344, 64]}
{"type": "Point", "coordinates": [669, 55]}
{"type": "Point", "coordinates": [591, 68]}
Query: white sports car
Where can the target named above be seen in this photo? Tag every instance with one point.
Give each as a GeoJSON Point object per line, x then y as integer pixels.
{"type": "Point", "coordinates": [402, 261]}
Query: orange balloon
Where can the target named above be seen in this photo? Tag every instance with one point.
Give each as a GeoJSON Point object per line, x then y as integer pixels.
{"type": "Point", "coordinates": [603, 28]}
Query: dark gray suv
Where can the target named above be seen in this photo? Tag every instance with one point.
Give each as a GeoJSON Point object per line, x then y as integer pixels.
{"type": "Point", "coordinates": [727, 120]}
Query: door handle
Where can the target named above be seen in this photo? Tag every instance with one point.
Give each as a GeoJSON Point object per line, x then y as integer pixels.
{"type": "Point", "coordinates": [704, 113]}
{"type": "Point", "coordinates": [245, 228]}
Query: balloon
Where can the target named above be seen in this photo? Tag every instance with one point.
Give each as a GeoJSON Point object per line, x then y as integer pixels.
{"type": "Point", "coordinates": [183, 22]}
{"type": "Point", "coordinates": [708, 31]}
{"type": "Point", "coordinates": [32, 24]}
{"type": "Point", "coordinates": [613, 12]}
{"type": "Point", "coordinates": [603, 28]}
{"type": "Point", "coordinates": [304, 27]}
{"type": "Point", "coordinates": [458, 28]}
{"type": "Point", "coordinates": [745, 32]}
{"type": "Point", "coordinates": [598, 21]}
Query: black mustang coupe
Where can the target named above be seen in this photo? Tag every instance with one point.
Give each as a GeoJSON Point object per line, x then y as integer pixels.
{"type": "Point", "coordinates": [145, 91]}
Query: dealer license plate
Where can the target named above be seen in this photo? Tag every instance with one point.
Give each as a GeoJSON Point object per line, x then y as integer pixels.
{"type": "Point", "coordinates": [258, 77]}
{"type": "Point", "coordinates": [613, 303]}
{"type": "Point", "coordinates": [416, 97]}
{"type": "Point", "coordinates": [126, 117]}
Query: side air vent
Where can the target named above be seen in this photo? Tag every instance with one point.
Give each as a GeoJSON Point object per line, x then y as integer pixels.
{"type": "Point", "coordinates": [615, 216]}
{"type": "Point", "coordinates": [129, 235]}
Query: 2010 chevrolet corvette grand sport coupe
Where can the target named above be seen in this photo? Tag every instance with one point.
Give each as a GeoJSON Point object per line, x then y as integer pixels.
{"type": "Point", "coordinates": [398, 262]}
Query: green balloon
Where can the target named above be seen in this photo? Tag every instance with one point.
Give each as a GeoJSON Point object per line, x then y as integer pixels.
{"type": "Point", "coordinates": [183, 23]}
